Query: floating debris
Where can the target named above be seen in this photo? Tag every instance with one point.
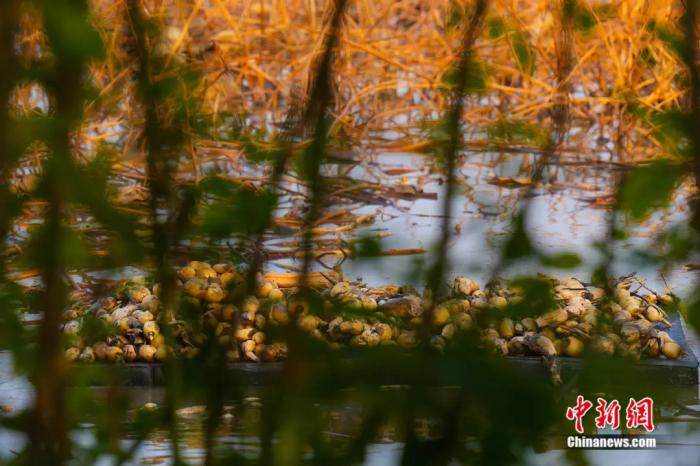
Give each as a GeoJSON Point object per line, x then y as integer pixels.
{"type": "Point", "coordinates": [150, 406]}
{"type": "Point", "coordinates": [626, 324]}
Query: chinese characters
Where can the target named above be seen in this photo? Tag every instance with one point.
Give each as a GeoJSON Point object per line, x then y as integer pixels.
{"type": "Point", "coordinates": [638, 414]}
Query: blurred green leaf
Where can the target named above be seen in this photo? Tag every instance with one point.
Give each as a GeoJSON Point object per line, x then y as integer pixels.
{"type": "Point", "coordinates": [584, 20]}
{"type": "Point", "coordinates": [673, 123]}
{"type": "Point", "coordinates": [537, 297]}
{"type": "Point", "coordinates": [646, 56]}
{"type": "Point", "coordinates": [475, 83]}
{"type": "Point", "coordinates": [95, 196]}
{"type": "Point", "coordinates": [455, 16]}
{"type": "Point", "coordinates": [649, 187]}
{"type": "Point", "coordinates": [69, 31]}
{"type": "Point", "coordinates": [244, 210]}
{"type": "Point", "coordinates": [368, 246]}
{"type": "Point", "coordinates": [12, 305]}
{"type": "Point", "coordinates": [565, 260]}
{"type": "Point", "coordinates": [261, 152]}
{"type": "Point", "coordinates": [496, 28]}
{"type": "Point", "coordinates": [94, 329]}
{"type": "Point", "coordinates": [518, 244]}
{"type": "Point", "coordinates": [675, 244]}
{"type": "Point", "coordinates": [672, 128]}
{"type": "Point", "coordinates": [584, 17]}
{"type": "Point", "coordinates": [673, 39]}
{"type": "Point", "coordinates": [523, 51]}
{"type": "Point", "coordinates": [71, 246]}
{"type": "Point", "coordinates": [513, 130]}
{"type": "Point", "coordinates": [218, 186]}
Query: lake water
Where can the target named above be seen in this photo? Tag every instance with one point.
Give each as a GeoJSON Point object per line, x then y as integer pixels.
{"type": "Point", "coordinates": [561, 218]}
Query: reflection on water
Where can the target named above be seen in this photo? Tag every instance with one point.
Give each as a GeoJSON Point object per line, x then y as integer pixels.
{"type": "Point", "coordinates": [402, 193]}
{"type": "Point", "coordinates": [678, 439]}
{"type": "Point", "coordinates": [565, 215]}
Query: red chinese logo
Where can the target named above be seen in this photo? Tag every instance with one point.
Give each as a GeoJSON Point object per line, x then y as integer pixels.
{"type": "Point", "coordinates": [638, 413]}
{"type": "Point", "coordinates": [577, 412]}
{"type": "Point", "coordinates": [608, 414]}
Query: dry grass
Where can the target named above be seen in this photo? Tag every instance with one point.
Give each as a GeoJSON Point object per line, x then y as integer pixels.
{"type": "Point", "coordinates": [253, 59]}
{"type": "Point", "coordinates": [254, 56]}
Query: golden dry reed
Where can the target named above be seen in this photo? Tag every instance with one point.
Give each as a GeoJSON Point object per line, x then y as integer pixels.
{"type": "Point", "coordinates": [254, 56]}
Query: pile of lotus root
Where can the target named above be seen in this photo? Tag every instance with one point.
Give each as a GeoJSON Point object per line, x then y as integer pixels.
{"type": "Point", "coordinates": [631, 324]}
